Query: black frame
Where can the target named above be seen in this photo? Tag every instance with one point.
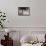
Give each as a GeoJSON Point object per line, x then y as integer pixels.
{"type": "Point", "coordinates": [21, 11]}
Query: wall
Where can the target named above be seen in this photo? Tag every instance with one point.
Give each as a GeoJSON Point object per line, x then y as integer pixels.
{"type": "Point", "coordinates": [36, 19]}
{"type": "Point", "coordinates": [35, 22]}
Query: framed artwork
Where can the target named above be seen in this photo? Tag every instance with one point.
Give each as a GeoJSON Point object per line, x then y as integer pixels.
{"type": "Point", "coordinates": [23, 11]}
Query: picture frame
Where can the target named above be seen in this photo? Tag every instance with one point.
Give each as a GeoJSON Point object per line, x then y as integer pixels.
{"type": "Point", "coordinates": [23, 11]}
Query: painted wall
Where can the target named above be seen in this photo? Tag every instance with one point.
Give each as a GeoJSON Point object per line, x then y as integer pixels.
{"type": "Point", "coordinates": [37, 16]}
{"type": "Point", "coordinates": [36, 20]}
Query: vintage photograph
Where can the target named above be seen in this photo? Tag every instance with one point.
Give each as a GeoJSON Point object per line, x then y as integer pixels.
{"type": "Point", "coordinates": [23, 11]}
